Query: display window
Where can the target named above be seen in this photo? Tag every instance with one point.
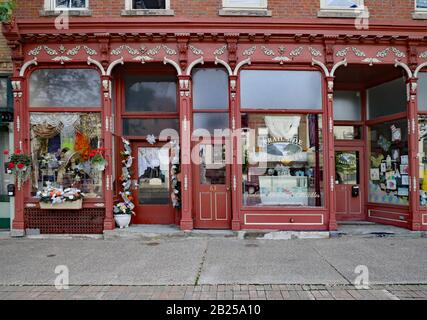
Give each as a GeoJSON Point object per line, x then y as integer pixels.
{"type": "Point", "coordinates": [63, 146]}
{"type": "Point", "coordinates": [282, 160]}
{"type": "Point", "coordinates": [389, 179]}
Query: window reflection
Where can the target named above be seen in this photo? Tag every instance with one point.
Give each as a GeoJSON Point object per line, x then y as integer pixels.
{"type": "Point", "coordinates": [282, 162]}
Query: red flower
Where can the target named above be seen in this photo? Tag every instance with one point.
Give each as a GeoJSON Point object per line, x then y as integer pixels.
{"type": "Point", "coordinates": [18, 151]}
{"type": "Point", "coordinates": [20, 166]}
{"type": "Point", "coordinates": [6, 152]}
{"type": "Point", "coordinates": [11, 165]}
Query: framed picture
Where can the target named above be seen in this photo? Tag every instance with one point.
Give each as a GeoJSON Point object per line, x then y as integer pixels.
{"type": "Point", "coordinates": [404, 169]}
{"type": "Point", "coordinates": [375, 174]}
{"type": "Point", "coordinates": [404, 159]}
{"type": "Point", "coordinates": [405, 180]}
{"type": "Point", "coordinates": [396, 134]}
{"type": "Point", "coordinates": [404, 192]}
{"type": "Point", "coordinates": [383, 167]}
{"type": "Point", "coordinates": [395, 153]}
{"type": "Point", "coordinates": [391, 184]}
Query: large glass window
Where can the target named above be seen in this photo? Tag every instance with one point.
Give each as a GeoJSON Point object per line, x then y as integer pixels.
{"type": "Point", "coordinates": [422, 149]}
{"type": "Point", "coordinates": [347, 106]}
{"type": "Point", "coordinates": [278, 89]}
{"type": "Point", "coordinates": [5, 178]}
{"type": "Point", "coordinates": [65, 88]}
{"type": "Point", "coordinates": [210, 88]}
{"type": "Point", "coordinates": [153, 93]}
{"type": "Point", "coordinates": [422, 91]}
{"type": "Point", "coordinates": [389, 163]}
{"type": "Point", "coordinates": [145, 127]}
{"type": "Point", "coordinates": [61, 145]}
{"type": "Point", "coordinates": [387, 99]}
{"type": "Point", "coordinates": [282, 160]}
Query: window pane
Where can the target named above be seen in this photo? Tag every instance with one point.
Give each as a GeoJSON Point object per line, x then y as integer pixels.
{"type": "Point", "coordinates": [422, 4]}
{"type": "Point", "coordinates": [422, 147]}
{"type": "Point", "coordinates": [210, 89]}
{"type": "Point", "coordinates": [347, 132]}
{"type": "Point", "coordinates": [389, 164]}
{"type": "Point", "coordinates": [342, 3]}
{"type": "Point", "coordinates": [282, 160]}
{"type": "Point", "coordinates": [347, 167]}
{"type": "Point", "coordinates": [3, 92]}
{"type": "Point", "coordinates": [245, 3]}
{"type": "Point", "coordinates": [70, 3]}
{"type": "Point", "coordinates": [153, 176]}
{"type": "Point", "coordinates": [270, 89]}
{"type": "Point", "coordinates": [212, 164]}
{"type": "Point", "coordinates": [5, 178]}
{"type": "Point", "coordinates": [148, 4]}
{"type": "Point", "coordinates": [65, 88]}
{"type": "Point", "coordinates": [145, 127]}
{"type": "Point", "coordinates": [422, 91]}
{"type": "Point", "coordinates": [387, 99]}
{"type": "Point", "coordinates": [60, 146]}
{"type": "Point", "coordinates": [211, 121]}
{"type": "Point", "coordinates": [347, 106]}
{"type": "Point", "coordinates": [150, 94]}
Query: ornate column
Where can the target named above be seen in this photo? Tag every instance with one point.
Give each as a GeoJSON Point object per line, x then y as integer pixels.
{"type": "Point", "coordinates": [108, 145]}
{"type": "Point", "coordinates": [414, 212]}
{"type": "Point", "coordinates": [185, 142]}
{"type": "Point", "coordinates": [331, 151]}
{"type": "Point", "coordinates": [18, 224]}
{"type": "Point", "coordinates": [236, 148]}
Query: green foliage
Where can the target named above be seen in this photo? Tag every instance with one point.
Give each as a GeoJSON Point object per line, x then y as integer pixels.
{"type": "Point", "coordinates": [6, 10]}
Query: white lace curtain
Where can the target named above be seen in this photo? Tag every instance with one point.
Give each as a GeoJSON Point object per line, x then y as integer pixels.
{"type": "Point", "coordinates": [283, 126]}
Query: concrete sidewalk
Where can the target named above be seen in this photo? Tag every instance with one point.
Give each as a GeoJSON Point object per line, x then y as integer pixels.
{"type": "Point", "coordinates": [213, 261]}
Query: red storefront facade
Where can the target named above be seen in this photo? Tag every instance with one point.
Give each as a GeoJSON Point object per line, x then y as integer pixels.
{"type": "Point", "coordinates": [363, 162]}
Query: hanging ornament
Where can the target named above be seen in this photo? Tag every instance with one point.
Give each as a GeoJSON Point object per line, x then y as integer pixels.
{"type": "Point", "coordinates": [151, 139]}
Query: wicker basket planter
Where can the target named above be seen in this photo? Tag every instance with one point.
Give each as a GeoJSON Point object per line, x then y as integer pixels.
{"type": "Point", "coordinates": [67, 205]}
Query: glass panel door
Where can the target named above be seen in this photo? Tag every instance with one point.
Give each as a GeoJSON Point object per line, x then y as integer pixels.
{"type": "Point", "coordinates": [153, 175]}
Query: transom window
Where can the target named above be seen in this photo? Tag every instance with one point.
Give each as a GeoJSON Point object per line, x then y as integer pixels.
{"type": "Point", "coordinates": [421, 5]}
{"type": "Point", "coordinates": [147, 4]}
{"type": "Point", "coordinates": [341, 4]}
{"type": "Point", "coordinates": [70, 4]}
{"type": "Point", "coordinates": [246, 4]}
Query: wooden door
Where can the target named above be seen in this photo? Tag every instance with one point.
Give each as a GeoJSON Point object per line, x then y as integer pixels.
{"type": "Point", "coordinates": [349, 186]}
{"type": "Point", "coordinates": [212, 201]}
{"type": "Point", "coordinates": [151, 184]}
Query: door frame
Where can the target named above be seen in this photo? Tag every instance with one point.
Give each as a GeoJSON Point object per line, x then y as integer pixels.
{"type": "Point", "coordinates": [223, 224]}
{"type": "Point", "coordinates": [362, 182]}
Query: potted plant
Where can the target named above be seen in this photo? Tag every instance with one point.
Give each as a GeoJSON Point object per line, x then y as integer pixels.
{"type": "Point", "coordinates": [122, 214]}
{"type": "Point", "coordinates": [19, 165]}
{"type": "Point", "coordinates": [58, 198]}
{"type": "Point", "coordinates": [97, 159]}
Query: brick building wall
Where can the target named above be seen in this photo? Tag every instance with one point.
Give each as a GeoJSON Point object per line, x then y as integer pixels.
{"type": "Point", "coordinates": [379, 9]}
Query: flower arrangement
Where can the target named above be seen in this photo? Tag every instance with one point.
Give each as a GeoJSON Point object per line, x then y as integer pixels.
{"type": "Point", "coordinates": [58, 195]}
{"type": "Point", "coordinates": [126, 206]}
{"type": "Point", "coordinates": [97, 159]}
{"type": "Point", "coordinates": [19, 165]}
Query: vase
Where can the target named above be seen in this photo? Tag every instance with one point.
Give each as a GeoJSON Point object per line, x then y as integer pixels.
{"type": "Point", "coordinates": [122, 220]}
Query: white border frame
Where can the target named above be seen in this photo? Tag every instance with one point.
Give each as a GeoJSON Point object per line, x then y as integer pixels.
{"type": "Point", "coordinates": [262, 6]}
{"type": "Point", "coordinates": [324, 6]}
{"type": "Point", "coordinates": [49, 5]}
{"type": "Point", "coordinates": [423, 10]}
{"type": "Point", "coordinates": [128, 6]}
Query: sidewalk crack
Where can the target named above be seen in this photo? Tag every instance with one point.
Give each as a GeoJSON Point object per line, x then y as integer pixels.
{"type": "Point", "coordinates": [202, 263]}
{"type": "Point", "coordinates": [332, 266]}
